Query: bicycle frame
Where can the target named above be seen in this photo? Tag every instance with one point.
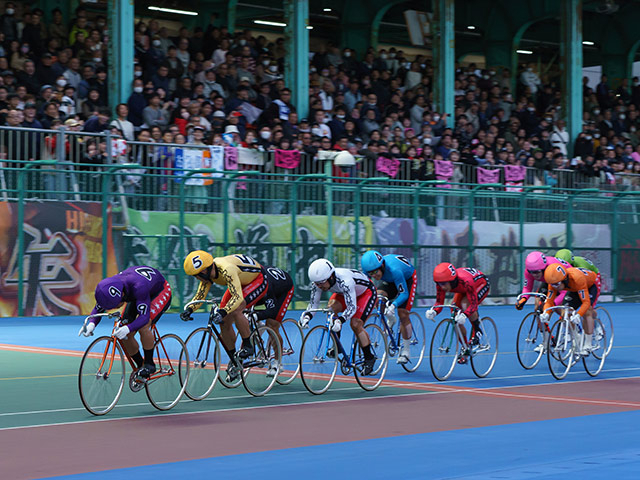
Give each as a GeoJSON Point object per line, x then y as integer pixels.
{"type": "Point", "coordinates": [454, 309]}
{"type": "Point", "coordinates": [346, 359]}
{"type": "Point", "coordinates": [111, 347]}
{"type": "Point", "coordinates": [394, 342]}
{"type": "Point", "coordinates": [212, 326]}
{"type": "Point", "coordinates": [576, 333]}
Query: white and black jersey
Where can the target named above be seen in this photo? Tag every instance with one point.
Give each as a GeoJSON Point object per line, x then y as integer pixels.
{"type": "Point", "coordinates": [350, 284]}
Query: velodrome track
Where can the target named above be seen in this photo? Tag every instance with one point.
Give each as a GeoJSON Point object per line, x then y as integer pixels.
{"type": "Point", "coordinates": [513, 424]}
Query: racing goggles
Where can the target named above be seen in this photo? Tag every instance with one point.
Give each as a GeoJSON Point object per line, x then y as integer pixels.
{"type": "Point", "coordinates": [556, 285]}
{"type": "Point", "coordinates": [535, 272]}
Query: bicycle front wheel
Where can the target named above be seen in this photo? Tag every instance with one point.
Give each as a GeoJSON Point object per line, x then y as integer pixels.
{"type": "Point", "coordinates": [485, 354]}
{"type": "Point", "coordinates": [444, 349]}
{"type": "Point", "coordinates": [259, 372]}
{"type": "Point", "coordinates": [167, 385]}
{"type": "Point", "coordinates": [101, 375]}
{"type": "Point", "coordinates": [594, 362]}
{"type": "Point", "coordinates": [292, 337]}
{"type": "Point", "coordinates": [417, 343]}
{"type": "Point", "coordinates": [530, 342]}
{"type": "Point", "coordinates": [379, 349]}
{"type": "Point", "coordinates": [607, 323]}
{"type": "Point", "coordinates": [560, 349]}
{"type": "Point", "coordinates": [204, 356]}
{"type": "Point", "coordinates": [318, 360]}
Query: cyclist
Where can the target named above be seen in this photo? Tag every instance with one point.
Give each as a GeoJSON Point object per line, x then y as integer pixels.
{"type": "Point", "coordinates": [470, 287]}
{"type": "Point", "coordinates": [399, 281]}
{"type": "Point", "coordinates": [535, 265]}
{"type": "Point", "coordinates": [277, 300]}
{"type": "Point", "coordinates": [353, 298]}
{"type": "Point", "coordinates": [586, 284]}
{"type": "Point", "coordinates": [576, 261]}
{"type": "Point", "coordinates": [147, 295]}
{"type": "Point", "coordinates": [246, 286]}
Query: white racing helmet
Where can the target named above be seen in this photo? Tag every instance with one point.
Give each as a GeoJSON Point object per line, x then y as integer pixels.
{"type": "Point", "coordinates": [321, 270]}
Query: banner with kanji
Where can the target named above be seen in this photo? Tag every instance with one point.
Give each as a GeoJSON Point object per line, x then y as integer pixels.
{"type": "Point", "coordinates": [62, 262]}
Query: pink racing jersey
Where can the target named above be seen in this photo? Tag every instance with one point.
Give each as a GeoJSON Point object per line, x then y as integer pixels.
{"type": "Point", "coordinates": [529, 280]}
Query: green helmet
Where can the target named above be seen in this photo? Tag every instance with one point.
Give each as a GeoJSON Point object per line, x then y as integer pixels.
{"type": "Point", "coordinates": [565, 254]}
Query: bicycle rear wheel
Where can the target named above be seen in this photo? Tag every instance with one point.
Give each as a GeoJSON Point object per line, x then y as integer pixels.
{"type": "Point", "coordinates": [594, 362]}
{"type": "Point", "coordinates": [204, 356]}
{"type": "Point", "coordinates": [379, 349]}
{"type": "Point", "coordinates": [417, 343]}
{"type": "Point", "coordinates": [292, 337]}
{"type": "Point", "coordinates": [317, 368]}
{"type": "Point", "coordinates": [259, 372]}
{"type": "Point", "coordinates": [226, 364]}
{"type": "Point", "coordinates": [560, 349]}
{"type": "Point", "coordinates": [444, 350]}
{"type": "Point", "coordinates": [101, 375]}
{"type": "Point", "coordinates": [167, 385]}
{"type": "Point", "coordinates": [485, 354]}
{"type": "Point", "coordinates": [607, 323]}
{"type": "Point", "coordinates": [529, 338]}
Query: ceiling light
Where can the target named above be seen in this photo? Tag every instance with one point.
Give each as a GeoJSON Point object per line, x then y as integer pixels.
{"type": "Point", "coordinates": [471, 27]}
{"type": "Point", "coordinates": [587, 42]}
{"type": "Point", "coordinates": [309, 27]}
{"type": "Point", "coordinates": [173, 10]}
{"type": "Point", "coordinates": [525, 52]}
{"type": "Point", "coordinates": [326, 9]}
{"type": "Point", "coordinates": [273, 24]}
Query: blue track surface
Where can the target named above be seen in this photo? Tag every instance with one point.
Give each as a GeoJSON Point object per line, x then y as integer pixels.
{"type": "Point", "coordinates": [550, 449]}
{"type": "Point", "coordinates": [596, 446]}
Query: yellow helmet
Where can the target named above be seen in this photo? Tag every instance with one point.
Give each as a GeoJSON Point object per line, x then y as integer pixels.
{"type": "Point", "coordinates": [197, 261]}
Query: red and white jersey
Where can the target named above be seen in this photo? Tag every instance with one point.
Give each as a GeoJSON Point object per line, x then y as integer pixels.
{"type": "Point", "coordinates": [350, 284]}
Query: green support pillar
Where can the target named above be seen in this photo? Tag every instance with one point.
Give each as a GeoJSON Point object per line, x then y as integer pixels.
{"type": "Point", "coordinates": [498, 54]}
{"type": "Point", "coordinates": [444, 50]}
{"type": "Point", "coordinates": [296, 68]}
{"type": "Point", "coordinates": [571, 50]}
{"type": "Point", "coordinates": [121, 49]}
{"type": "Point", "coordinates": [615, 67]}
{"type": "Point", "coordinates": [231, 15]}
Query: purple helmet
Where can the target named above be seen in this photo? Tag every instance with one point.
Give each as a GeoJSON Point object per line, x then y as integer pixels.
{"type": "Point", "coordinates": [110, 293]}
{"type": "Point", "coordinates": [536, 261]}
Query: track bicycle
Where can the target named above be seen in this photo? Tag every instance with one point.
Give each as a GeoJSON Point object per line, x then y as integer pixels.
{"type": "Point", "coordinates": [101, 376]}
{"type": "Point", "coordinates": [448, 345]}
{"type": "Point", "coordinates": [564, 347]}
{"type": "Point", "coordinates": [530, 342]}
{"type": "Point", "coordinates": [322, 351]}
{"type": "Point", "coordinates": [258, 373]}
{"type": "Point", "coordinates": [417, 343]}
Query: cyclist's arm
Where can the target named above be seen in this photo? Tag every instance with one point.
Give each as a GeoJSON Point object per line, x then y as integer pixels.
{"type": "Point", "coordinates": [234, 287]}
{"type": "Point", "coordinates": [527, 287]}
{"type": "Point", "coordinates": [440, 295]}
{"type": "Point", "coordinates": [96, 309]}
{"type": "Point", "coordinates": [201, 294]}
{"type": "Point", "coordinates": [314, 299]}
{"type": "Point", "coordinates": [582, 289]}
{"type": "Point", "coordinates": [350, 298]}
{"type": "Point", "coordinates": [401, 287]}
{"type": "Point", "coordinates": [472, 297]}
{"type": "Point", "coordinates": [550, 302]}
{"type": "Point", "coordinates": [144, 314]}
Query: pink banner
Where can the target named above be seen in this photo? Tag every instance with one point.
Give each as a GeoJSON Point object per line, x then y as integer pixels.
{"type": "Point", "coordinates": [390, 166]}
{"type": "Point", "coordinates": [514, 173]}
{"type": "Point", "coordinates": [230, 158]}
{"type": "Point", "coordinates": [488, 176]}
{"type": "Point", "coordinates": [287, 159]}
{"type": "Point", "coordinates": [444, 169]}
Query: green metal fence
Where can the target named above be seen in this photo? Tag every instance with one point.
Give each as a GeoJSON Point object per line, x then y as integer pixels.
{"type": "Point", "coordinates": [289, 220]}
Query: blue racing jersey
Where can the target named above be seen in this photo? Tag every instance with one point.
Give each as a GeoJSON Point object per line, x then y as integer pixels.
{"type": "Point", "coordinates": [141, 285]}
{"type": "Point", "coordinates": [398, 270]}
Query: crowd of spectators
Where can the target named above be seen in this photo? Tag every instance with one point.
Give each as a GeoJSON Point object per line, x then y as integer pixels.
{"type": "Point", "coordinates": [208, 86]}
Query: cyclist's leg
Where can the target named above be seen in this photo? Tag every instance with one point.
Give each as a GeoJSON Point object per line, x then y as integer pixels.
{"type": "Point", "coordinates": [462, 302]}
{"type": "Point", "coordinates": [405, 308]}
{"type": "Point", "coordinates": [365, 305]}
{"type": "Point", "coordinates": [277, 301]}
